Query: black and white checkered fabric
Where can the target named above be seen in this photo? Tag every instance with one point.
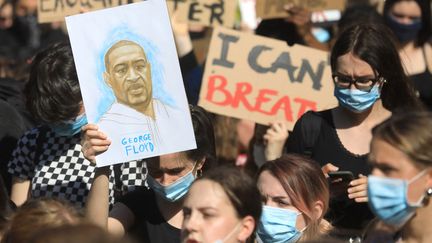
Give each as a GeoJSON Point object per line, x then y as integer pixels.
{"type": "Point", "coordinates": [61, 170]}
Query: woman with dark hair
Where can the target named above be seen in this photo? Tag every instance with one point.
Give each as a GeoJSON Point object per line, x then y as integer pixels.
{"type": "Point", "coordinates": [222, 206]}
{"type": "Point", "coordinates": [410, 21]}
{"type": "Point", "coordinates": [47, 160]}
{"type": "Point", "coordinates": [151, 214]}
{"type": "Point", "coordinates": [370, 85]}
{"type": "Point", "coordinates": [295, 194]}
{"type": "Point", "coordinates": [400, 187]}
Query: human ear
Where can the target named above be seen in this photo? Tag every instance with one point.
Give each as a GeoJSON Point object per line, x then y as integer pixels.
{"type": "Point", "coordinates": [429, 182]}
{"type": "Point", "coordinates": [318, 209]}
{"type": "Point", "coordinates": [201, 163]}
{"type": "Point", "coordinates": [246, 228]}
{"type": "Point", "coordinates": [106, 77]}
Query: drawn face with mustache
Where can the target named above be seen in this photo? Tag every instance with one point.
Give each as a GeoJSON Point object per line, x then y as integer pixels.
{"type": "Point", "coordinates": [128, 73]}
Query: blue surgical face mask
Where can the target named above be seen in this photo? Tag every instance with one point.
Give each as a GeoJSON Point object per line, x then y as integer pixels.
{"type": "Point", "coordinates": [70, 128]}
{"type": "Point", "coordinates": [388, 199]}
{"type": "Point", "coordinates": [175, 190]}
{"type": "Point", "coordinates": [404, 32]}
{"type": "Point", "coordinates": [277, 225]}
{"type": "Point", "coordinates": [357, 100]}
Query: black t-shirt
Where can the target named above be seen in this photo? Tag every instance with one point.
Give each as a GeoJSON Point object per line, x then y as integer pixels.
{"type": "Point", "coordinates": [423, 84]}
{"type": "Point", "coordinates": [150, 226]}
{"type": "Point", "coordinates": [315, 135]}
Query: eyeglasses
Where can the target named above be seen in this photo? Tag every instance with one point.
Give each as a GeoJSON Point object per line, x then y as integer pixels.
{"type": "Point", "coordinates": [363, 84]}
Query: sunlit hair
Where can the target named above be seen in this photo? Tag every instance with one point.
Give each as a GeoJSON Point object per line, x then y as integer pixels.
{"type": "Point", "coordinates": [76, 233]}
{"type": "Point", "coordinates": [410, 133]}
{"type": "Point", "coordinates": [38, 214]}
{"type": "Point", "coordinates": [305, 184]}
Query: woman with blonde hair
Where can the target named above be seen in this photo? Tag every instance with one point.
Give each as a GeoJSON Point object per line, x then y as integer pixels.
{"type": "Point", "coordinates": [295, 194]}
{"type": "Point", "coordinates": [400, 186]}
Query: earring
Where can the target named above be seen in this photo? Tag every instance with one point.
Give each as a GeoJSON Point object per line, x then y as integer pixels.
{"type": "Point", "coordinates": [199, 174]}
{"type": "Point", "coordinates": [429, 192]}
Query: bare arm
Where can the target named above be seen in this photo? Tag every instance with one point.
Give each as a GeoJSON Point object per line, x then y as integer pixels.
{"type": "Point", "coordinates": [97, 206]}
{"type": "Point", "coordinates": [20, 191]}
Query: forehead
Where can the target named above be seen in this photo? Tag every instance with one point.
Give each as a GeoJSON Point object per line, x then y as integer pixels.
{"type": "Point", "coordinates": [406, 7]}
{"type": "Point", "coordinates": [351, 65]}
{"type": "Point", "coordinates": [269, 185]}
{"type": "Point", "coordinates": [126, 51]}
{"type": "Point", "coordinates": [207, 194]}
{"type": "Point", "coordinates": [382, 152]}
{"type": "Point", "coordinates": [169, 161]}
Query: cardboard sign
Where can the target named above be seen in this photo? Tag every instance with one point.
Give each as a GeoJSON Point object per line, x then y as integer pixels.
{"type": "Point", "coordinates": [267, 9]}
{"type": "Point", "coordinates": [263, 79]}
{"type": "Point", "coordinates": [130, 80]}
{"type": "Point", "coordinates": [205, 12]}
{"type": "Point", "coordinates": [56, 10]}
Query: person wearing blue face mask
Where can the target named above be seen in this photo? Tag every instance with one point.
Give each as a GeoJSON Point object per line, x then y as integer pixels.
{"type": "Point", "coordinates": [410, 21]}
{"type": "Point", "coordinates": [47, 161]}
{"type": "Point", "coordinates": [295, 195]}
{"type": "Point", "coordinates": [153, 213]}
{"type": "Point", "coordinates": [400, 186]}
{"type": "Point", "coordinates": [369, 85]}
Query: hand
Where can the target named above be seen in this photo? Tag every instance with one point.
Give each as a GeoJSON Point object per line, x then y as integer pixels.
{"type": "Point", "coordinates": [357, 189]}
{"type": "Point", "coordinates": [181, 35]}
{"type": "Point", "coordinates": [299, 16]}
{"type": "Point", "coordinates": [329, 167]}
{"type": "Point", "coordinates": [274, 140]}
{"type": "Point", "coordinates": [93, 142]}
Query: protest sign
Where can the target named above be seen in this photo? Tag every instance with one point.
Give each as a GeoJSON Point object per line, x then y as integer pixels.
{"type": "Point", "coordinates": [56, 10]}
{"type": "Point", "coordinates": [130, 80]}
{"type": "Point", "coordinates": [205, 12]}
{"type": "Point", "coordinates": [267, 9]}
{"type": "Point", "coordinates": [264, 80]}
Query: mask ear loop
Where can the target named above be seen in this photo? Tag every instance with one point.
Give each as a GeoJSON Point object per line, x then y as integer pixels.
{"type": "Point", "coordinates": [301, 231]}
{"type": "Point", "coordinates": [382, 81]}
{"type": "Point", "coordinates": [419, 203]}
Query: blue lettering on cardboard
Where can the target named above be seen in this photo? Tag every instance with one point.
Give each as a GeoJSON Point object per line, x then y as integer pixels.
{"type": "Point", "coordinates": [141, 144]}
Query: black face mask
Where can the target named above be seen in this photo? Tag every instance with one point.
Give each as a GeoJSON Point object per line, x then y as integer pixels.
{"type": "Point", "coordinates": [404, 32]}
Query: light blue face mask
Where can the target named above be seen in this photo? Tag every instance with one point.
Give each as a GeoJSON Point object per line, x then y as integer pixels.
{"type": "Point", "coordinates": [277, 225]}
{"type": "Point", "coordinates": [70, 128]}
{"type": "Point", "coordinates": [357, 100]}
{"type": "Point", "coordinates": [173, 191]}
{"type": "Point", "coordinates": [388, 199]}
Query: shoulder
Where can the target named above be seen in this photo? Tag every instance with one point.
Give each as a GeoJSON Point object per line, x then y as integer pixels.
{"type": "Point", "coordinates": [313, 119]}
{"type": "Point", "coordinates": [428, 54]}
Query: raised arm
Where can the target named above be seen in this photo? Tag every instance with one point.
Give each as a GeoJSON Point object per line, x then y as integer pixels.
{"type": "Point", "coordinates": [97, 206]}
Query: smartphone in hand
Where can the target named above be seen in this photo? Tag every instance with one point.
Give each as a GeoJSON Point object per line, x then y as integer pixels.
{"type": "Point", "coordinates": [339, 183]}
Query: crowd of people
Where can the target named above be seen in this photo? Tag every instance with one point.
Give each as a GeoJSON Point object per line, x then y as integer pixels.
{"type": "Point", "coordinates": [358, 172]}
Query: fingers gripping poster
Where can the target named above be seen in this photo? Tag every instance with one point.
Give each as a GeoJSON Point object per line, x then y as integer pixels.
{"type": "Point", "coordinates": [130, 80]}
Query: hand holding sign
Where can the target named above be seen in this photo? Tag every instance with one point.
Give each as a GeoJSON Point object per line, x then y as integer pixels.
{"type": "Point", "coordinates": [267, 9]}
{"type": "Point", "coordinates": [93, 142]}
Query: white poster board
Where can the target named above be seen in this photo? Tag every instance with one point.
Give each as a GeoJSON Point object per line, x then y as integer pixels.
{"type": "Point", "coordinates": [130, 80]}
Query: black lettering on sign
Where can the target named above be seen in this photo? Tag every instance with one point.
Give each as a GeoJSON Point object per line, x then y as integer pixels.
{"type": "Point", "coordinates": [315, 76]}
{"type": "Point", "coordinates": [193, 10]}
{"type": "Point", "coordinates": [226, 40]}
{"type": "Point", "coordinates": [216, 11]}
